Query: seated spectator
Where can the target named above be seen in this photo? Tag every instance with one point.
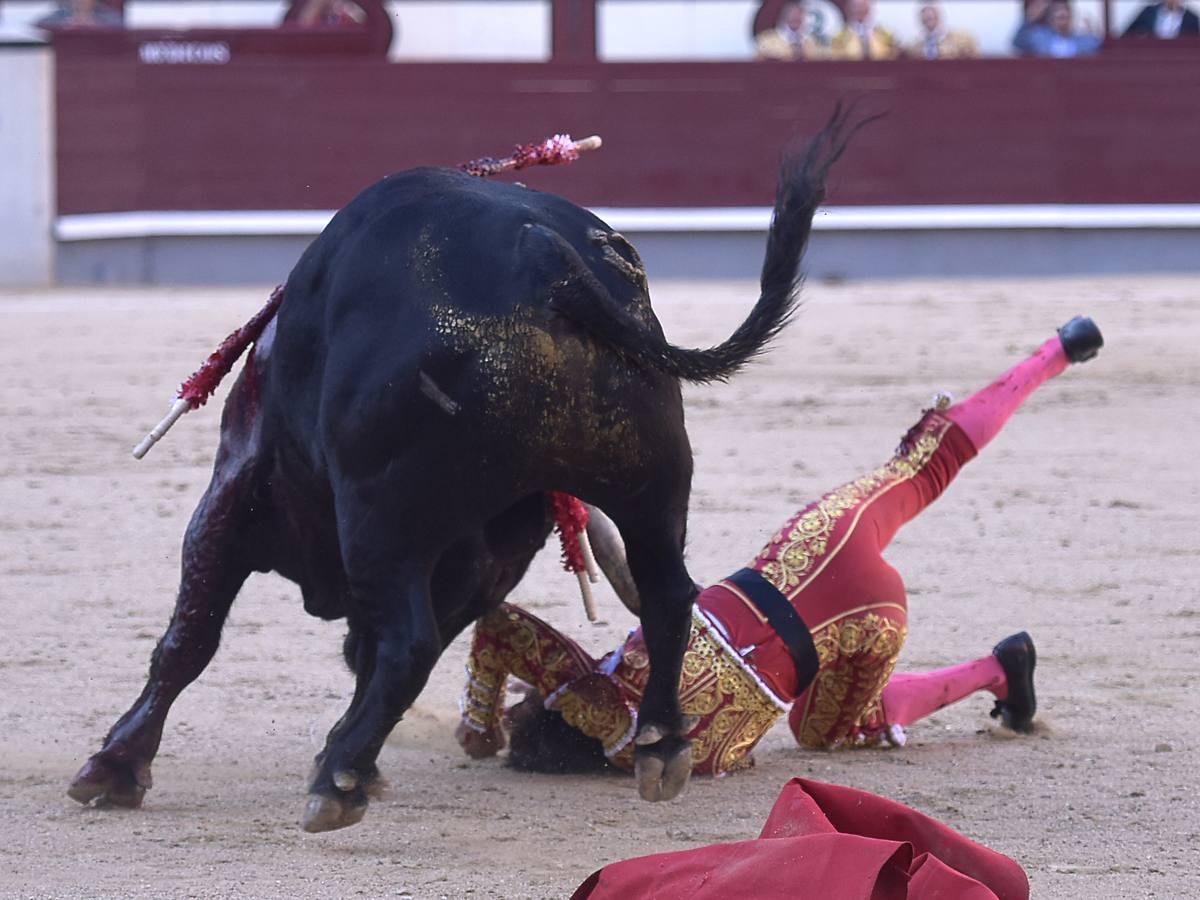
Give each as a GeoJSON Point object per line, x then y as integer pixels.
{"type": "Point", "coordinates": [1049, 30]}
{"type": "Point", "coordinates": [938, 43]}
{"type": "Point", "coordinates": [797, 36]}
{"type": "Point", "coordinates": [1166, 20]}
{"type": "Point", "coordinates": [861, 38]}
{"type": "Point", "coordinates": [316, 13]}
{"type": "Point", "coordinates": [82, 14]}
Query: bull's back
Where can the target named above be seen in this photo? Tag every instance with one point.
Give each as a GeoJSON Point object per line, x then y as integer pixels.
{"type": "Point", "coordinates": [422, 312]}
{"type": "Point", "coordinates": [440, 234]}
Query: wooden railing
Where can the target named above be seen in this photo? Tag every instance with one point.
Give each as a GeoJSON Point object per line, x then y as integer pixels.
{"type": "Point", "coordinates": [303, 120]}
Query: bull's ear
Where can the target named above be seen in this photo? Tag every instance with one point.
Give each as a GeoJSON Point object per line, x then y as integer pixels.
{"type": "Point", "coordinates": [609, 550]}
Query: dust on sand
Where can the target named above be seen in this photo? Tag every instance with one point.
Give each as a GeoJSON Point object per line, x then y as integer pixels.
{"type": "Point", "coordinates": [1079, 524]}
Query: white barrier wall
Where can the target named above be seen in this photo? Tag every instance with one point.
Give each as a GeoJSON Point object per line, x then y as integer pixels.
{"type": "Point", "coordinates": [629, 30]}
{"type": "Point", "coordinates": [27, 173]}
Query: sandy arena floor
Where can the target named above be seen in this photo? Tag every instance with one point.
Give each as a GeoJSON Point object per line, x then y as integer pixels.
{"type": "Point", "coordinates": [1079, 524]}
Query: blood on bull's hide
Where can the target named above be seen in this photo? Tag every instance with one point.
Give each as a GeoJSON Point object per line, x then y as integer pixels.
{"type": "Point", "coordinates": [447, 352]}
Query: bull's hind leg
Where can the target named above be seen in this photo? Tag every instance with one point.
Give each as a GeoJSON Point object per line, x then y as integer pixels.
{"type": "Point", "coordinates": [654, 545]}
{"type": "Point", "coordinates": [213, 569]}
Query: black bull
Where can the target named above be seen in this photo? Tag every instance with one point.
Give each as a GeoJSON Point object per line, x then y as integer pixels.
{"type": "Point", "coordinates": [449, 350]}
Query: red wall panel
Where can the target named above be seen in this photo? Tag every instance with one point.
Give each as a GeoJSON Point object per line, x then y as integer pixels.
{"type": "Point", "coordinates": [296, 132]}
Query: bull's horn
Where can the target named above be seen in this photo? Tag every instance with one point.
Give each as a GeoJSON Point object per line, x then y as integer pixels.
{"type": "Point", "coordinates": [609, 550]}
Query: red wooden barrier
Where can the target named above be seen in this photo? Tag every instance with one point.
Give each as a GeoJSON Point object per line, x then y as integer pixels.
{"type": "Point", "coordinates": [301, 132]}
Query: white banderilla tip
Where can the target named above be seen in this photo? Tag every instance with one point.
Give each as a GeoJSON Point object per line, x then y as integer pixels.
{"type": "Point", "coordinates": [589, 602]}
{"type": "Point", "coordinates": [589, 558]}
{"type": "Point", "coordinates": [591, 142]}
{"type": "Point", "coordinates": [178, 408]}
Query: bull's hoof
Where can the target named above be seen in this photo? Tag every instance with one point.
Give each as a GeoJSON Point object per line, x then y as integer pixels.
{"type": "Point", "coordinates": [373, 783]}
{"type": "Point", "coordinates": [324, 813]}
{"type": "Point", "coordinates": [111, 784]}
{"type": "Point", "coordinates": [661, 765]}
{"type": "Point", "coordinates": [376, 786]}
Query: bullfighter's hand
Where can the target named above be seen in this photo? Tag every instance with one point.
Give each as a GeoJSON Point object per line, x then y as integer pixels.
{"type": "Point", "coordinates": [479, 744]}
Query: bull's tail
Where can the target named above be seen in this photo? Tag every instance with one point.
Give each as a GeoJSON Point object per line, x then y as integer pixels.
{"type": "Point", "coordinates": [800, 190]}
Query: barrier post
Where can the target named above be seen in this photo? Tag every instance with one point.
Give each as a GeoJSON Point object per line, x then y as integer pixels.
{"type": "Point", "coordinates": [27, 176]}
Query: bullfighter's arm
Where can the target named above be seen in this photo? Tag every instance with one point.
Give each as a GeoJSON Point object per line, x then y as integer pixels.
{"type": "Point", "coordinates": [483, 695]}
{"type": "Point", "coordinates": [479, 732]}
{"type": "Point", "coordinates": [512, 641]}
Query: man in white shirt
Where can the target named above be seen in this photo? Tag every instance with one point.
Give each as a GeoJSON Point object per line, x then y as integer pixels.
{"type": "Point", "coordinates": [1166, 20]}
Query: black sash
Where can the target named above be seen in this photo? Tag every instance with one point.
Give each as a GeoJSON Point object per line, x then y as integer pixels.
{"type": "Point", "coordinates": [782, 616]}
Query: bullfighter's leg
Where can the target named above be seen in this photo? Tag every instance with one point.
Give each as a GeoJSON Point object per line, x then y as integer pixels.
{"type": "Point", "coordinates": [985, 412]}
{"type": "Point", "coordinates": [654, 545]}
{"type": "Point", "coordinates": [214, 567]}
{"type": "Point", "coordinates": [1006, 673]}
{"type": "Point", "coordinates": [846, 701]}
{"type": "Point", "coordinates": [979, 418]}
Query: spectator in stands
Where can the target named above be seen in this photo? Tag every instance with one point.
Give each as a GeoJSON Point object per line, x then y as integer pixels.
{"type": "Point", "coordinates": [861, 38]}
{"type": "Point", "coordinates": [82, 14]}
{"type": "Point", "coordinates": [315, 13]}
{"type": "Point", "coordinates": [1049, 30]}
{"type": "Point", "coordinates": [1165, 20]}
{"type": "Point", "coordinates": [797, 36]}
{"type": "Point", "coordinates": [936, 42]}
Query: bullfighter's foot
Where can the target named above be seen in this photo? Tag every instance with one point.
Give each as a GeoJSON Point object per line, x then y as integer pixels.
{"type": "Point", "coordinates": [662, 763]}
{"type": "Point", "coordinates": [111, 783]}
{"type": "Point", "coordinates": [1018, 658]}
{"type": "Point", "coordinates": [329, 813]}
{"type": "Point", "coordinates": [1081, 339]}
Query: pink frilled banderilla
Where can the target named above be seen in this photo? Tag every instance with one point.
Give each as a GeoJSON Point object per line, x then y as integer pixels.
{"type": "Point", "coordinates": [195, 392]}
{"type": "Point", "coordinates": [571, 519]}
{"type": "Point", "coordinates": [553, 151]}
{"type": "Point", "coordinates": [197, 389]}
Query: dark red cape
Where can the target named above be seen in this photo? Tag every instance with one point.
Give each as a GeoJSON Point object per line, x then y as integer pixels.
{"type": "Point", "coordinates": [823, 841]}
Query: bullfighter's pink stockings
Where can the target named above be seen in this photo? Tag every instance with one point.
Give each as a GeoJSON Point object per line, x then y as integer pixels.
{"type": "Point", "coordinates": [909, 697]}
{"type": "Point", "coordinates": [983, 414]}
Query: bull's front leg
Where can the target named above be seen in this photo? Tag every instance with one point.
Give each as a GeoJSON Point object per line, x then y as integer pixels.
{"type": "Point", "coordinates": [399, 644]}
{"type": "Point", "coordinates": [213, 570]}
{"type": "Point", "coordinates": [663, 758]}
